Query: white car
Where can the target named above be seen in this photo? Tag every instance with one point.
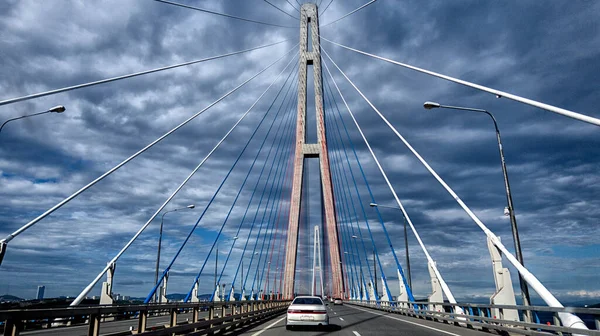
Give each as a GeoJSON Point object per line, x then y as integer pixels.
{"type": "Point", "coordinates": [307, 311]}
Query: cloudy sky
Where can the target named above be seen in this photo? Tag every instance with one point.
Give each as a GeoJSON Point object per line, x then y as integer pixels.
{"type": "Point", "coordinates": [545, 51]}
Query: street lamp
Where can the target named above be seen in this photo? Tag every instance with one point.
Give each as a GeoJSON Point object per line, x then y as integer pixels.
{"type": "Point", "coordinates": [55, 109]}
{"type": "Point", "coordinates": [191, 206]}
{"type": "Point", "coordinates": [375, 205]}
{"type": "Point", "coordinates": [509, 210]}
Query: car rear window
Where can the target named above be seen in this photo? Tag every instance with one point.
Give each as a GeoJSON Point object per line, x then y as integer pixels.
{"type": "Point", "coordinates": [308, 301]}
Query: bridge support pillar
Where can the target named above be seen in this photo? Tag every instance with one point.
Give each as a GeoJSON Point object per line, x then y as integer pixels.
{"type": "Point", "coordinates": [403, 294]}
{"type": "Point", "coordinates": [195, 293]}
{"type": "Point", "coordinates": [243, 298]}
{"type": "Point", "coordinates": [94, 325]}
{"type": "Point", "coordinates": [217, 294]}
{"type": "Point", "coordinates": [505, 294]}
{"type": "Point", "coordinates": [372, 295]}
{"type": "Point", "coordinates": [162, 297]}
{"type": "Point", "coordinates": [231, 295]}
{"type": "Point", "coordinates": [142, 320]}
{"type": "Point", "coordinates": [173, 317]}
{"type": "Point", "coordinates": [385, 299]}
{"type": "Point", "coordinates": [310, 54]}
{"type": "Point", "coordinates": [106, 294]}
{"type": "Point", "coordinates": [436, 295]}
{"type": "Point", "coordinates": [12, 327]}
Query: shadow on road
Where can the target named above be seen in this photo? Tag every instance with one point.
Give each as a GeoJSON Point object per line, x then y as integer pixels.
{"type": "Point", "coordinates": [328, 328]}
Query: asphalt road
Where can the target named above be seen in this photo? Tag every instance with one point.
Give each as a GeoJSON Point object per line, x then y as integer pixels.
{"type": "Point", "coordinates": [110, 326]}
{"type": "Point", "coordinates": [357, 321]}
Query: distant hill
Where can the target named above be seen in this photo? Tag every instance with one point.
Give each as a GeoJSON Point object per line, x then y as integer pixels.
{"type": "Point", "coordinates": [9, 298]}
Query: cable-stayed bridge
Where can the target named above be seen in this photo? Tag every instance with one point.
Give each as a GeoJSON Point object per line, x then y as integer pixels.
{"type": "Point", "coordinates": [306, 135]}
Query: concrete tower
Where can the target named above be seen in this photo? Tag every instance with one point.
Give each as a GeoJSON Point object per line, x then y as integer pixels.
{"type": "Point", "coordinates": [311, 55]}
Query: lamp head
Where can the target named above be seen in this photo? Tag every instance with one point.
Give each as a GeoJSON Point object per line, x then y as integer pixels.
{"type": "Point", "coordinates": [372, 205]}
{"type": "Point", "coordinates": [57, 109]}
{"type": "Point", "coordinates": [191, 206]}
{"type": "Point", "coordinates": [429, 105]}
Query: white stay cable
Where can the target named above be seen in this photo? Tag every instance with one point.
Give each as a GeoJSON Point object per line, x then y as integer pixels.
{"type": "Point", "coordinates": [352, 12]}
{"type": "Point", "coordinates": [112, 79]}
{"type": "Point", "coordinates": [445, 287]}
{"type": "Point", "coordinates": [86, 290]}
{"type": "Point", "coordinates": [75, 194]}
{"type": "Point", "coordinates": [567, 319]}
{"type": "Point", "coordinates": [498, 93]}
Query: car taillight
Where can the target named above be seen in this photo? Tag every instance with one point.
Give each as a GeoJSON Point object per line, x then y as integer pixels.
{"type": "Point", "coordinates": [293, 311]}
{"type": "Point", "coordinates": [296, 311]}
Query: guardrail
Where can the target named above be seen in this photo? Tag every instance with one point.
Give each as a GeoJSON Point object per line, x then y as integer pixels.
{"type": "Point", "coordinates": [488, 317]}
{"type": "Point", "coordinates": [232, 314]}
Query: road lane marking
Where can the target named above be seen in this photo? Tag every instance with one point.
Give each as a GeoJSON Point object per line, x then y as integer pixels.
{"type": "Point", "coordinates": [341, 319]}
{"type": "Point", "coordinates": [401, 320]}
{"type": "Point", "coordinates": [269, 326]}
{"type": "Point", "coordinates": [355, 332]}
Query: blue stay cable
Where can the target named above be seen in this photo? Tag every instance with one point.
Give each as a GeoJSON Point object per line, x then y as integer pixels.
{"type": "Point", "coordinates": [373, 242]}
{"type": "Point", "coordinates": [277, 217]}
{"type": "Point", "coordinates": [345, 231]}
{"type": "Point", "coordinates": [282, 158]}
{"type": "Point", "coordinates": [408, 289]}
{"type": "Point", "coordinates": [262, 220]}
{"type": "Point", "coordinates": [244, 182]}
{"type": "Point", "coordinates": [361, 237]}
{"type": "Point", "coordinates": [346, 196]}
{"type": "Point", "coordinates": [255, 159]}
{"type": "Point", "coordinates": [342, 197]}
{"type": "Point", "coordinates": [151, 294]}
{"type": "Point", "coordinates": [343, 214]}
{"type": "Point", "coordinates": [250, 202]}
{"type": "Point", "coordinates": [279, 178]}
{"type": "Point", "coordinates": [274, 210]}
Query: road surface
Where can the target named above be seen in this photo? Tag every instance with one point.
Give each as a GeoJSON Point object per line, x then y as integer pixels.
{"type": "Point", "coordinates": [357, 321]}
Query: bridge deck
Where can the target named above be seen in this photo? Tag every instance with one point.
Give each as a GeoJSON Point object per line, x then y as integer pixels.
{"type": "Point", "coordinates": [356, 321]}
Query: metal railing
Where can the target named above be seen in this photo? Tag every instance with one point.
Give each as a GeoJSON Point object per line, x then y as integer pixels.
{"type": "Point", "coordinates": [489, 317]}
{"type": "Point", "coordinates": [221, 315]}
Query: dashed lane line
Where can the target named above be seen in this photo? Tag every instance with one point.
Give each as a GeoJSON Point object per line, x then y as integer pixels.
{"type": "Point", "coordinates": [268, 327]}
{"type": "Point", "coordinates": [401, 320]}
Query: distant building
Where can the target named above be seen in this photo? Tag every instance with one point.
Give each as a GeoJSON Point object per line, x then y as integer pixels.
{"type": "Point", "coordinates": [40, 292]}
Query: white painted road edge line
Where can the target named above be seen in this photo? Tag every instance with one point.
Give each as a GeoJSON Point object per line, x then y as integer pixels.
{"type": "Point", "coordinates": [405, 321]}
{"type": "Point", "coordinates": [341, 319]}
{"type": "Point", "coordinates": [355, 332]}
{"type": "Point", "coordinates": [269, 326]}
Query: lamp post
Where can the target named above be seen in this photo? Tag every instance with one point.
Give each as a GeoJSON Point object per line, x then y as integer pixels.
{"type": "Point", "coordinates": [55, 109]}
{"type": "Point", "coordinates": [375, 205]}
{"type": "Point", "coordinates": [510, 208]}
{"type": "Point", "coordinates": [162, 219]}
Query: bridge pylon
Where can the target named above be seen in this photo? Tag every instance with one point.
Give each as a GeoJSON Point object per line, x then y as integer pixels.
{"type": "Point", "coordinates": [311, 56]}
